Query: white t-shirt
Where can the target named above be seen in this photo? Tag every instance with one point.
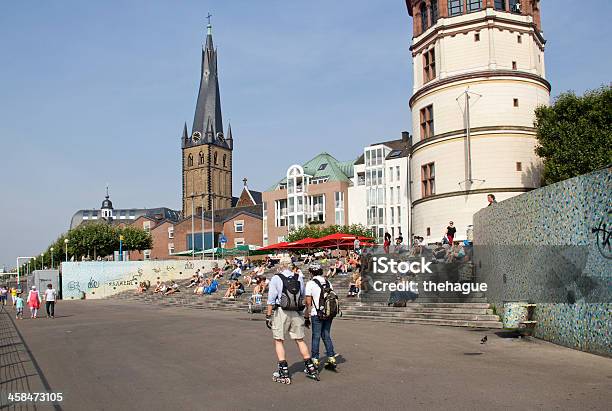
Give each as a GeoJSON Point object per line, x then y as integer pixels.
{"type": "Point", "coordinates": [50, 294]}
{"type": "Point", "coordinates": [313, 290]}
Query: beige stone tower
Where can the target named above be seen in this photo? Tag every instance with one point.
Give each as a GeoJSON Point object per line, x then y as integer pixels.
{"type": "Point", "coordinates": [479, 75]}
{"type": "Point", "coordinates": [207, 152]}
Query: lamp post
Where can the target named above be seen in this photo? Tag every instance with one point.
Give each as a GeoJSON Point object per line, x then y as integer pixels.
{"type": "Point", "coordinates": [42, 260]}
{"type": "Point", "coordinates": [121, 248]}
{"type": "Point", "coordinates": [66, 248]}
{"type": "Point", "coordinates": [18, 276]}
{"type": "Point", "coordinates": [51, 249]}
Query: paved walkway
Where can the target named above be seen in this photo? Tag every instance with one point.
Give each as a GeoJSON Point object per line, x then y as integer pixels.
{"type": "Point", "coordinates": [120, 356]}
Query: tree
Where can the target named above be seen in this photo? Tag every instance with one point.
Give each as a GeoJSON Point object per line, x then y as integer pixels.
{"type": "Point", "coordinates": [135, 238]}
{"type": "Point", "coordinates": [316, 231]}
{"type": "Point", "coordinates": [575, 134]}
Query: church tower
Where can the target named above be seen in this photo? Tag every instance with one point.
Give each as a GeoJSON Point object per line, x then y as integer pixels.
{"type": "Point", "coordinates": [479, 75]}
{"type": "Point", "coordinates": [207, 151]}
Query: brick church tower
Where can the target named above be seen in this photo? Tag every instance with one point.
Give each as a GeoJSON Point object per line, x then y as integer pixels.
{"type": "Point", "coordinates": [479, 75]}
{"type": "Point", "coordinates": [207, 151]}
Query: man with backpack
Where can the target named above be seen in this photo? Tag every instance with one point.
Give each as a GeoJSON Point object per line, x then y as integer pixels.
{"type": "Point", "coordinates": [322, 305]}
{"type": "Point", "coordinates": [284, 317]}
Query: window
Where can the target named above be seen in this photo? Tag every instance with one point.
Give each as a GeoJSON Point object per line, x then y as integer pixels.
{"type": "Point", "coordinates": [397, 190]}
{"type": "Point", "coordinates": [86, 215]}
{"type": "Point", "coordinates": [146, 225]}
{"type": "Point", "coordinates": [170, 232]}
{"type": "Point", "coordinates": [424, 21]}
{"type": "Point", "coordinates": [429, 65]}
{"type": "Point", "coordinates": [399, 215]}
{"type": "Point", "coordinates": [500, 5]}
{"type": "Point", "coordinates": [200, 158]}
{"type": "Point", "coordinates": [340, 217]}
{"type": "Point", "coordinates": [147, 254]}
{"type": "Point", "coordinates": [339, 197]}
{"type": "Point", "coordinates": [427, 123]}
{"type": "Point", "coordinates": [238, 241]}
{"type": "Point", "coordinates": [516, 102]}
{"type": "Point", "coordinates": [392, 216]}
{"type": "Point", "coordinates": [455, 7]}
{"type": "Point", "coordinates": [170, 248]}
{"type": "Point", "coordinates": [428, 231]}
{"type": "Point", "coordinates": [434, 12]}
{"type": "Point", "coordinates": [428, 180]}
{"type": "Point", "coordinates": [519, 166]}
{"type": "Point", "coordinates": [391, 197]}
{"type": "Point", "coordinates": [477, 37]}
{"type": "Point", "coordinates": [474, 5]}
{"type": "Point", "coordinates": [519, 39]}
{"type": "Point", "coordinates": [395, 153]}
{"type": "Point", "coordinates": [215, 158]}
{"type": "Point", "coordinates": [390, 173]}
{"type": "Point", "coordinates": [224, 160]}
{"type": "Point", "coordinates": [515, 6]}
{"type": "Point", "coordinates": [514, 65]}
{"type": "Point", "coordinates": [322, 167]}
{"type": "Point", "coordinates": [132, 214]}
{"type": "Point", "coordinates": [397, 173]}
{"type": "Point", "coordinates": [190, 161]}
{"type": "Point", "coordinates": [239, 226]}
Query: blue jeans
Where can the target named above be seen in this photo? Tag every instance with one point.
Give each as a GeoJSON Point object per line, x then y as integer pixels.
{"type": "Point", "coordinates": [321, 329]}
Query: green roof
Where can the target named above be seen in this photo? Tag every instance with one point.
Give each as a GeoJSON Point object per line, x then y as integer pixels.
{"type": "Point", "coordinates": [334, 170]}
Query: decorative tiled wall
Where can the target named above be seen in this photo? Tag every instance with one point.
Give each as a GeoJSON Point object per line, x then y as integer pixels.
{"type": "Point", "coordinates": [551, 247]}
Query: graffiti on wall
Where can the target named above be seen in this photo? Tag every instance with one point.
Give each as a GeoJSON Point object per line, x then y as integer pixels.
{"type": "Point", "coordinates": [100, 279]}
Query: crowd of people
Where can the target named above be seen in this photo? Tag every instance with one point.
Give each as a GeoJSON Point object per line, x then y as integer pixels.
{"type": "Point", "coordinates": [33, 301]}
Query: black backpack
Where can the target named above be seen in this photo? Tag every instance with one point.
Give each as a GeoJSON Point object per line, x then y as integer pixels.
{"type": "Point", "coordinates": [329, 303]}
{"type": "Point", "coordinates": [291, 298]}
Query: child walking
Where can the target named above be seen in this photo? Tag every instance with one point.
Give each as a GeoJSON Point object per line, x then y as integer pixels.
{"type": "Point", "coordinates": [18, 307]}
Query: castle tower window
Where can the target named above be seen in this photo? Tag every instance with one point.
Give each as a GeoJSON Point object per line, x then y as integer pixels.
{"type": "Point", "coordinates": [476, 36]}
{"type": "Point", "coordinates": [500, 5]}
{"type": "Point", "coordinates": [201, 158]}
{"type": "Point", "coordinates": [427, 122]}
{"type": "Point", "coordinates": [516, 102]}
{"type": "Point", "coordinates": [215, 158]}
{"type": "Point", "coordinates": [474, 5]}
{"type": "Point", "coordinates": [434, 12]}
{"type": "Point", "coordinates": [424, 22]}
{"type": "Point", "coordinates": [429, 65]}
{"type": "Point", "coordinates": [455, 7]}
{"type": "Point", "coordinates": [519, 39]}
{"type": "Point", "coordinates": [514, 65]}
{"type": "Point", "coordinates": [224, 160]}
{"type": "Point", "coordinates": [190, 160]}
{"type": "Point", "coordinates": [515, 6]}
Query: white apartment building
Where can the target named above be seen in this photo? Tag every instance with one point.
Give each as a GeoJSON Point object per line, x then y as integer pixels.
{"type": "Point", "coordinates": [378, 195]}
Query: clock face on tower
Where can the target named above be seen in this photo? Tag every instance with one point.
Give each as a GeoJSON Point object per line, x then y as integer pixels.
{"type": "Point", "coordinates": [196, 136]}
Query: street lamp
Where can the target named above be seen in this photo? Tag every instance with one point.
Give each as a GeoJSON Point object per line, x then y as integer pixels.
{"type": "Point", "coordinates": [51, 249]}
{"type": "Point", "coordinates": [42, 260]}
{"type": "Point", "coordinates": [121, 247]}
{"type": "Point", "coordinates": [66, 248]}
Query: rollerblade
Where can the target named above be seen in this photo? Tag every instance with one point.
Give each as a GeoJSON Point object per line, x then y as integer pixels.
{"type": "Point", "coordinates": [316, 362]}
{"type": "Point", "coordinates": [282, 375]}
{"type": "Point", "coordinates": [331, 364]}
{"type": "Point", "coordinates": [310, 370]}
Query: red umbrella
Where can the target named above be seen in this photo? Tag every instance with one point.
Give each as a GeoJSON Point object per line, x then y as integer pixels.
{"type": "Point", "coordinates": [271, 247]}
{"type": "Point", "coordinates": [340, 239]}
{"type": "Point", "coordinates": [303, 243]}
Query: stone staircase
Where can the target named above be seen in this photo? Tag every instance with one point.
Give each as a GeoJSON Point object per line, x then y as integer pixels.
{"type": "Point", "coordinates": [428, 308]}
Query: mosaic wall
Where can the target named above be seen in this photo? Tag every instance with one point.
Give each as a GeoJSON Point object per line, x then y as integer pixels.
{"type": "Point", "coordinates": [100, 279]}
{"type": "Point", "coordinates": [551, 247]}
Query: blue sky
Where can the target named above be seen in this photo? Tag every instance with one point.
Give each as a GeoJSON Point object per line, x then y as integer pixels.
{"type": "Point", "coordinates": [96, 92]}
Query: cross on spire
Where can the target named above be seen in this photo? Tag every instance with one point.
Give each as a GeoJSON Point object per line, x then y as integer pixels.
{"type": "Point", "coordinates": [244, 180]}
{"type": "Point", "coordinates": [208, 17]}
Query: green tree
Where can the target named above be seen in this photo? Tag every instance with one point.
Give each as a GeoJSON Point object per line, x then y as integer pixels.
{"type": "Point", "coordinates": [575, 134]}
{"type": "Point", "coordinates": [135, 238]}
{"type": "Point", "coordinates": [317, 231]}
{"type": "Point", "coordinates": [96, 239]}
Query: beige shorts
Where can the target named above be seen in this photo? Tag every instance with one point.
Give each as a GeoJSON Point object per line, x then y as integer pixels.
{"type": "Point", "coordinates": [284, 322]}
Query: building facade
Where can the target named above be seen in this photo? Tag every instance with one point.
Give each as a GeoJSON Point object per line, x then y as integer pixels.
{"type": "Point", "coordinates": [315, 192]}
{"type": "Point", "coordinates": [379, 197]}
{"type": "Point", "coordinates": [479, 74]}
{"type": "Point", "coordinates": [207, 151]}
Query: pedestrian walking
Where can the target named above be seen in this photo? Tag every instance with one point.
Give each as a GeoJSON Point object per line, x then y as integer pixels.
{"type": "Point", "coordinates": [50, 297]}
{"type": "Point", "coordinates": [3, 294]}
{"type": "Point", "coordinates": [13, 295]}
{"type": "Point", "coordinates": [450, 232]}
{"type": "Point", "coordinates": [387, 242]}
{"type": "Point", "coordinates": [34, 302]}
{"type": "Point", "coordinates": [284, 317]}
{"type": "Point", "coordinates": [18, 307]}
{"type": "Point", "coordinates": [321, 307]}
